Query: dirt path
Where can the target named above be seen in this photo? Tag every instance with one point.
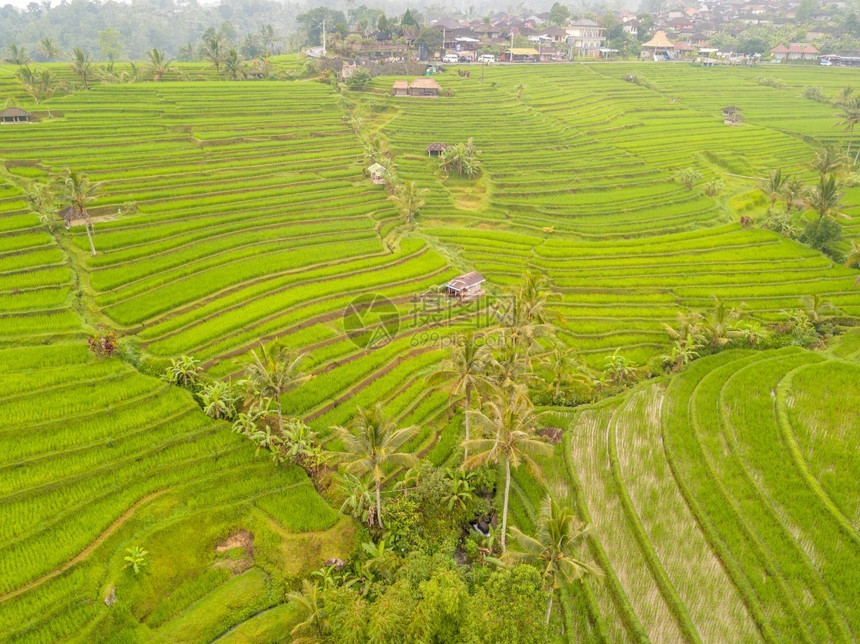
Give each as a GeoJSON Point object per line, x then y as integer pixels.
{"type": "Point", "coordinates": [86, 552]}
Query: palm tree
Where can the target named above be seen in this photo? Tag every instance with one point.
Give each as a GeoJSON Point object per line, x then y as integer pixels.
{"type": "Point", "coordinates": [409, 199]}
{"type": "Point", "coordinates": [850, 117]}
{"type": "Point", "coordinates": [509, 428]}
{"type": "Point", "coordinates": [792, 193]}
{"type": "Point", "coordinates": [270, 376]}
{"type": "Point", "coordinates": [825, 198]}
{"type": "Point", "coordinates": [48, 48]}
{"type": "Point", "coordinates": [553, 548]}
{"type": "Point", "coordinates": [817, 308]}
{"type": "Point", "coordinates": [82, 66]}
{"type": "Point", "coordinates": [852, 260]}
{"type": "Point", "coordinates": [520, 89]}
{"type": "Point", "coordinates": [315, 625]}
{"type": "Point", "coordinates": [719, 326]}
{"type": "Point", "coordinates": [845, 96]}
{"type": "Point", "coordinates": [619, 368]}
{"type": "Point", "coordinates": [17, 55]}
{"type": "Point", "coordinates": [77, 192]}
{"type": "Point", "coordinates": [467, 364]}
{"type": "Point", "coordinates": [372, 444]}
{"type": "Point", "coordinates": [159, 63]}
{"type": "Point", "coordinates": [827, 160]}
{"type": "Point", "coordinates": [773, 187]}
{"type": "Point", "coordinates": [233, 65]}
{"type": "Point", "coordinates": [214, 50]}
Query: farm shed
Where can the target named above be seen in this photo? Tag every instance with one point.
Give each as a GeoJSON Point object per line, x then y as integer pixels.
{"type": "Point", "coordinates": [521, 54]}
{"type": "Point", "coordinates": [465, 287]}
{"type": "Point", "coordinates": [435, 149]}
{"type": "Point", "coordinates": [424, 87]}
{"type": "Point", "coordinates": [377, 174]}
{"type": "Point", "coordinates": [15, 115]}
{"type": "Point", "coordinates": [732, 115]}
{"type": "Point", "coordinates": [400, 88]}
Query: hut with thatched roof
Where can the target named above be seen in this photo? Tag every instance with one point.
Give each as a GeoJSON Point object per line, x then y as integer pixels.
{"type": "Point", "coordinates": [660, 47]}
{"type": "Point", "coordinates": [424, 86]}
{"type": "Point", "coordinates": [400, 88]}
{"type": "Point", "coordinates": [435, 149]}
{"type": "Point", "coordinates": [15, 115]}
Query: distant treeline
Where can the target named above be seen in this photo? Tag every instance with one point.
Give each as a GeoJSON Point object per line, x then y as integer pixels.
{"type": "Point", "coordinates": [119, 31]}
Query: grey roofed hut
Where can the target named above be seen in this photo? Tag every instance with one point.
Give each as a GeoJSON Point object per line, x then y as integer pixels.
{"type": "Point", "coordinates": [466, 286]}
{"type": "Point", "coordinates": [435, 149]}
{"type": "Point", "coordinates": [15, 115]}
{"type": "Point", "coordinates": [377, 173]}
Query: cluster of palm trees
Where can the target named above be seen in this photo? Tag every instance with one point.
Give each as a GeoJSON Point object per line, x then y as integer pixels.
{"type": "Point", "coordinates": [824, 197]}
{"type": "Point", "coordinates": [462, 159]}
{"type": "Point", "coordinates": [696, 333]}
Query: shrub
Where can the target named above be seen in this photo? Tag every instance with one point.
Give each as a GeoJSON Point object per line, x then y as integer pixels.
{"type": "Point", "coordinates": [359, 79]}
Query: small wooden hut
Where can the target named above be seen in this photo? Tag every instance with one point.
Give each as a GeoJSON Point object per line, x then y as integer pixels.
{"type": "Point", "coordinates": [732, 115]}
{"type": "Point", "coordinates": [15, 115]}
{"type": "Point", "coordinates": [400, 88]}
{"type": "Point", "coordinates": [424, 86]}
{"type": "Point", "coordinates": [465, 287]}
{"type": "Point", "coordinates": [435, 149]}
{"type": "Point", "coordinates": [377, 174]}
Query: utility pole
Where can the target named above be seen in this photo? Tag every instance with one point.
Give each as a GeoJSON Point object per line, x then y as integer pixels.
{"type": "Point", "coordinates": [512, 46]}
{"type": "Point", "coordinates": [325, 53]}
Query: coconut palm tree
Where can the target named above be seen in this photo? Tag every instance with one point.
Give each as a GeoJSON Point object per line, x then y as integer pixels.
{"type": "Point", "coordinates": [76, 191]}
{"type": "Point", "coordinates": [371, 444]}
{"type": "Point", "coordinates": [509, 428]}
{"type": "Point", "coordinates": [270, 375]}
{"type": "Point", "coordinates": [233, 65]}
{"type": "Point", "coordinates": [554, 548]}
{"type": "Point", "coordinates": [82, 66]}
{"type": "Point", "coordinates": [48, 49]}
{"type": "Point", "coordinates": [850, 114]}
{"type": "Point", "coordinates": [792, 194]}
{"type": "Point", "coordinates": [773, 187]}
{"type": "Point", "coordinates": [845, 96]}
{"type": "Point", "coordinates": [409, 199]}
{"type": "Point", "coordinates": [17, 55]}
{"type": "Point", "coordinates": [825, 198]}
{"type": "Point", "coordinates": [467, 365]}
{"type": "Point", "coordinates": [215, 51]}
{"type": "Point", "coordinates": [159, 64]}
{"type": "Point", "coordinates": [314, 624]}
{"type": "Point", "coordinates": [852, 260]}
{"type": "Point", "coordinates": [827, 160]}
{"type": "Point", "coordinates": [720, 326]}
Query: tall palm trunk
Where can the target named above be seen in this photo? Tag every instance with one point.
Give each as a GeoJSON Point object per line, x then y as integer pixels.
{"type": "Point", "coordinates": [280, 415]}
{"type": "Point", "coordinates": [468, 407]}
{"type": "Point", "coordinates": [549, 608]}
{"type": "Point", "coordinates": [505, 506]}
{"type": "Point", "coordinates": [88, 227]}
{"type": "Point", "coordinates": [379, 502]}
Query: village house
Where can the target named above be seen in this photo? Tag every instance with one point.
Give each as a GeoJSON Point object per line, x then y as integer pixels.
{"type": "Point", "coordinates": [586, 37]}
{"type": "Point", "coordinates": [521, 54]}
{"type": "Point", "coordinates": [15, 115]}
{"type": "Point", "coordinates": [795, 51]}
{"type": "Point", "coordinates": [466, 287]}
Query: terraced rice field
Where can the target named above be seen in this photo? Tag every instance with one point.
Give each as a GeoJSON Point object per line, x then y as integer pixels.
{"type": "Point", "coordinates": [721, 499]}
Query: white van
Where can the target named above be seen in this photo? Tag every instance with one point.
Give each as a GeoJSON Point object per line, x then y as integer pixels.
{"type": "Point", "coordinates": [486, 58]}
{"type": "Point", "coordinates": [450, 58]}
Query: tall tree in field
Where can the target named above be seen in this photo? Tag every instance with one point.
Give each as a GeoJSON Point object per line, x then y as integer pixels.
{"type": "Point", "coordinates": [270, 375]}
{"type": "Point", "coordinates": [159, 64]}
{"type": "Point", "coordinates": [214, 50]}
{"type": "Point", "coordinates": [75, 190]}
{"type": "Point", "coordinates": [48, 49]}
{"type": "Point", "coordinates": [373, 442]}
{"type": "Point", "coordinates": [852, 260]}
{"type": "Point", "coordinates": [17, 55]}
{"type": "Point", "coordinates": [773, 187]}
{"type": "Point", "coordinates": [82, 66]}
{"type": "Point", "coordinates": [850, 115]}
{"type": "Point", "coordinates": [468, 366]}
{"type": "Point", "coordinates": [409, 199]}
{"type": "Point", "coordinates": [825, 198]}
{"type": "Point", "coordinates": [509, 428]}
{"type": "Point", "coordinates": [827, 160]}
{"type": "Point", "coordinates": [554, 548]}
{"type": "Point", "coordinates": [233, 65]}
